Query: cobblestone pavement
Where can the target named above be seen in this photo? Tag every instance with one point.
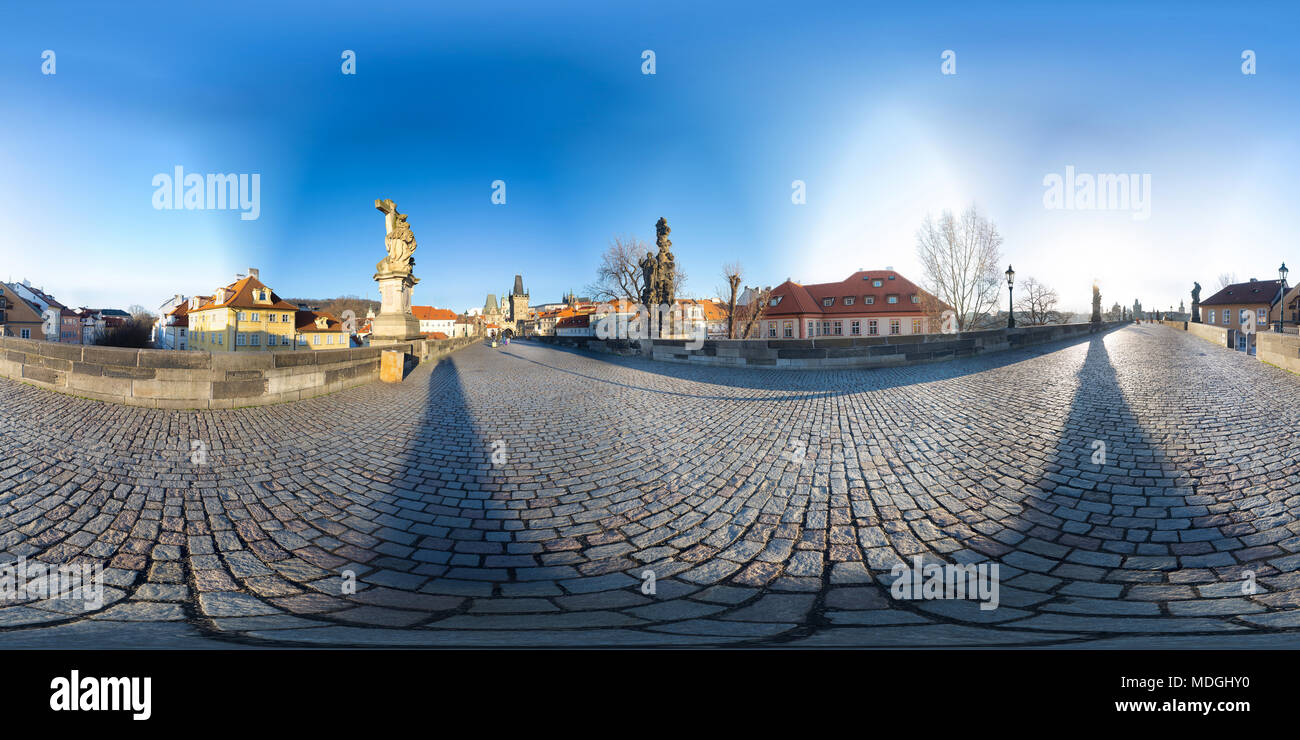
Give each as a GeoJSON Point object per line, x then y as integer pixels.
{"type": "Point", "coordinates": [770, 505]}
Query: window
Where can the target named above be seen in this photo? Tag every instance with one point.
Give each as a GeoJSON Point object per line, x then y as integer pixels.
{"type": "Point", "coordinates": [895, 326]}
{"type": "Point", "coordinates": [839, 328]}
{"type": "Point", "coordinates": [788, 329]}
{"type": "Point", "coordinates": [893, 299]}
{"type": "Point", "coordinates": [315, 339]}
{"type": "Point", "coordinates": [1227, 316]}
{"type": "Point", "coordinates": [828, 301]}
{"type": "Point", "coordinates": [826, 328]}
{"type": "Point", "coordinates": [221, 338]}
{"type": "Point", "coordinates": [285, 318]}
{"type": "Point", "coordinates": [257, 339]}
{"type": "Point", "coordinates": [775, 300]}
{"type": "Point", "coordinates": [873, 327]}
{"type": "Point", "coordinates": [771, 329]}
{"type": "Point", "coordinates": [302, 339]}
{"type": "Point", "coordinates": [240, 339]}
{"type": "Point", "coordinates": [254, 318]}
{"type": "Point", "coordinates": [240, 315]}
{"type": "Point", "coordinates": [916, 326]}
{"type": "Point", "coordinates": [1262, 316]}
{"type": "Point", "coordinates": [876, 283]}
{"type": "Point", "coordinates": [26, 333]}
{"type": "Point", "coordinates": [270, 317]}
{"type": "Point", "coordinates": [868, 299]}
{"type": "Point", "coordinates": [811, 326]}
{"type": "Point", "coordinates": [329, 339]}
{"type": "Point", "coordinates": [1211, 316]}
{"type": "Point", "coordinates": [916, 299]}
{"type": "Point", "coordinates": [848, 300]}
{"type": "Point", "coordinates": [855, 327]}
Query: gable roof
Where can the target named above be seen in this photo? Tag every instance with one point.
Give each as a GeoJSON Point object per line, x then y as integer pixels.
{"type": "Point", "coordinates": [239, 294]}
{"type": "Point", "coordinates": [1253, 291]}
{"type": "Point", "coordinates": [796, 299]}
{"type": "Point", "coordinates": [429, 313]}
{"type": "Point", "coordinates": [305, 322]}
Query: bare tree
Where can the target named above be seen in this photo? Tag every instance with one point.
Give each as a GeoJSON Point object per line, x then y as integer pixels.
{"type": "Point", "coordinates": [619, 276]}
{"type": "Point", "coordinates": [1226, 279]}
{"type": "Point", "coordinates": [1038, 303]}
{"type": "Point", "coordinates": [752, 312]}
{"type": "Point", "coordinates": [732, 271]}
{"type": "Point", "coordinates": [961, 261]}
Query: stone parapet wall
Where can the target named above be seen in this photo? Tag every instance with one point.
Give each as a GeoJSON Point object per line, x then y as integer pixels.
{"type": "Point", "coordinates": [1282, 350]}
{"type": "Point", "coordinates": [836, 352]}
{"type": "Point", "coordinates": [201, 380]}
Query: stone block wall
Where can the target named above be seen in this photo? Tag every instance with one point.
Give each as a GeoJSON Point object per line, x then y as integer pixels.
{"type": "Point", "coordinates": [1282, 350]}
{"type": "Point", "coordinates": [838, 352]}
{"type": "Point", "coordinates": [200, 380]}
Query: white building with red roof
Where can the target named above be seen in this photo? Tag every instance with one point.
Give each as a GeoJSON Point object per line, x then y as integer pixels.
{"type": "Point", "coordinates": [868, 303]}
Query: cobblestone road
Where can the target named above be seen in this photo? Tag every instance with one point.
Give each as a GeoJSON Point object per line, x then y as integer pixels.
{"type": "Point", "coordinates": [770, 505]}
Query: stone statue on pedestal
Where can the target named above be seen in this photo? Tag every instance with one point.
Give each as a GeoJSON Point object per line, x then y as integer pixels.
{"type": "Point", "coordinates": [1196, 303]}
{"type": "Point", "coordinates": [395, 322]}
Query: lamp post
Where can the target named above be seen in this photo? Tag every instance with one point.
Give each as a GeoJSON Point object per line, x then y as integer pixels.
{"type": "Point", "coordinates": [1011, 313]}
{"type": "Point", "coordinates": [1282, 295]}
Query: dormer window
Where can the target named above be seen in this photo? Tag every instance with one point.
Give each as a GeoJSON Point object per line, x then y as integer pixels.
{"type": "Point", "coordinates": [893, 299]}
{"type": "Point", "coordinates": [828, 301]}
{"type": "Point", "coordinates": [916, 299]}
{"type": "Point", "coordinates": [876, 283]}
{"type": "Point", "coordinates": [868, 299]}
{"type": "Point", "coordinates": [848, 300]}
{"type": "Point", "coordinates": [776, 300]}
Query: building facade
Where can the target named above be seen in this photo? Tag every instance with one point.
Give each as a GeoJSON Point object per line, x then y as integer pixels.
{"type": "Point", "coordinates": [867, 303]}
{"type": "Point", "coordinates": [317, 330]}
{"type": "Point", "coordinates": [435, 320]}
{"type": "Point", "coordinates": [18, 318]}
{"type": "Point", "coordinates": [244, 316]}
{"type": "Point", "coordinates": [1260, 301]}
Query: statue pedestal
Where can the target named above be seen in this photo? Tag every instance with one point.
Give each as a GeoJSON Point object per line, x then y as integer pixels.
{"type": "Point", "coordinates": [395, 322]}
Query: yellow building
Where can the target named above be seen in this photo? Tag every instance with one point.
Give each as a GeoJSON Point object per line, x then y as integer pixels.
{"type": "Point", "coordinates": [245, 316]}
{"type": "Point", "coordinates": [319, 330]}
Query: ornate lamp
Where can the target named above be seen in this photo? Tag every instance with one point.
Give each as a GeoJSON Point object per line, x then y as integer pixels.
{"type": "Point", "coordinates": [1011, 313]}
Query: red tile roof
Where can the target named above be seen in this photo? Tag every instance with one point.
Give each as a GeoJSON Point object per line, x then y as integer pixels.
{"type": "Point", "coordinates": [1255, 291]}
{"type": "Point", "coordinates": [429, 313]}
{"type": "Point", "coordinates": [796, 299]}
{"type": "Point", "coordinates": [239, 294]}
{"type": "Point", "coordinates": [305, 322]}
{"type": "Point", "coordinates": [579, 321]}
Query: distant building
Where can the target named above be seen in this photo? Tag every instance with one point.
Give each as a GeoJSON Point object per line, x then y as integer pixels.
{"type": "Point", "coordinates": [1236, 304]}
{"type": "Point", "coordinates": [319, 330]}
{"type": "Point", "coordinates": [435, 320]}
{"type": "Point", "coordinates": [18, 317]}
{"type": "Point", "coordinates": [170, 329]}
{"type": "Point", "coordinates": [866, 303]}
{"type": "Point", "coordinates": [244, 316]}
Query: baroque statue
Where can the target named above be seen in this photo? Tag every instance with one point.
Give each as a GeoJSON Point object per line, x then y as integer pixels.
{"type": "Point", "coordinates": [398, 239]}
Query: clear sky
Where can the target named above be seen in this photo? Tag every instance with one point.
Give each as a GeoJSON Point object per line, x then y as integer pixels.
{"type": "Point", "coordinates": [550, 98]}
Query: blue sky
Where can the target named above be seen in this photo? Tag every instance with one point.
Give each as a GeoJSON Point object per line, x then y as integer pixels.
{"type": "Point", "coordinates": [747, 97]}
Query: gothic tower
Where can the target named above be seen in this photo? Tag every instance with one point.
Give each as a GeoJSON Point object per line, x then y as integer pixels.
{"type": "Point", "coordinates": [518, 300]}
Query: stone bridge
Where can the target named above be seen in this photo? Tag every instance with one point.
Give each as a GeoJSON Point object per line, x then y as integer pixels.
{"type": "Point", "coordinates": [1135, 488]}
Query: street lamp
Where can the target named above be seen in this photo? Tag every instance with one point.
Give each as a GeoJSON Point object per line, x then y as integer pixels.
{"type": "Point", "coordinates": [1281, 289]}
{"type": "Point", "coordinates": [1011, 313]}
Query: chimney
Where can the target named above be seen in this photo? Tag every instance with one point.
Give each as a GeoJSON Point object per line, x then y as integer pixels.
{"type": "Point", "coordinates": [253, 273]}
{"type": "Point", "coordinates": [889, 268]}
